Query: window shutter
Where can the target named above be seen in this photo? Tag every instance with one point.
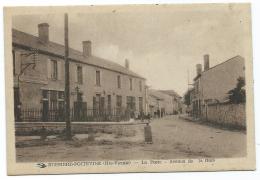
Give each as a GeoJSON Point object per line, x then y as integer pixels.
{"type": "Point", "coordinates": [49, 68]}
{"type": "Point", "coordinates": [59, 68]}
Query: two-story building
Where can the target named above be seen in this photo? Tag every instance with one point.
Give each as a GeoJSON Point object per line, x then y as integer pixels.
{"type": "Point", "coordinates": [162, 102]}
{"type": "Point", "coordinates": [213, 84]}
{"type": "Point", "coordinates": [95, 83]}
{"type": "Point", "coordinates": [176, 100]}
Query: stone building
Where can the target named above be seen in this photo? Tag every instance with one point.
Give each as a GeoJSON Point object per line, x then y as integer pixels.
{"type": "Point", "coordinates": [95, 83]}
{"type": "Point", "coordinates": [163, 102]}
{"type": "Point", "coordinates": [176, 100]}
{"type": "Point", "coordinates": [213, 84]}
{"type": "Point", "coordinates": [155, 105]}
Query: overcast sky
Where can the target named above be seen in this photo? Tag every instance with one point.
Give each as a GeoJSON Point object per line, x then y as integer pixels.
{"type": "Point", "coordinates": [162, 44]}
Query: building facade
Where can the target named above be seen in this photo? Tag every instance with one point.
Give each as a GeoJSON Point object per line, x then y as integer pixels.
{"type": "Point", "coordinates": [213, 84]}
{"type": "Point", "coordinates": [162, 102]}
{"type": "Point", "coordinates": [95, 83]}
{"type": "Point", "coordinates": [176, 101]}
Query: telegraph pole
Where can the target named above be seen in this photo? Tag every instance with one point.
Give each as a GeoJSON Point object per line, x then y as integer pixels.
{"type": "Point", "coordinates": [67, 78]}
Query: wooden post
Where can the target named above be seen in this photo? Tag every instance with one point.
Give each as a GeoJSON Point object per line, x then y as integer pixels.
{"type": "Point", "coordinates": [67, 78]}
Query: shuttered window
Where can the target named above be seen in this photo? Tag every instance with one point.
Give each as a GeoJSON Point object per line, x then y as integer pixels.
{"type": "Point", "coordinates": [131, 84]}
{"type": "Point", "coordinates": [118, 81]}
{"type": "Point", "coordinates": [140, 86]}
{"type": "Point", "coordinates": [119, 101]}
{"type": "Point", "coordinates": [98, 78]}
{"type": "Point", "coordinates": [54, 69]}
{"type": "Point", "coordinates": [79, 75]}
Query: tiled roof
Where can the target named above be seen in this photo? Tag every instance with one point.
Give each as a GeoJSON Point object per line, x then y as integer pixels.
{"type": "Point", "coordinates": [30, 41]}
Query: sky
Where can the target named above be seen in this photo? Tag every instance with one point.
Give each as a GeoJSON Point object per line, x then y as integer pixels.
{"type": "Point", "coordinates": [162, 43]}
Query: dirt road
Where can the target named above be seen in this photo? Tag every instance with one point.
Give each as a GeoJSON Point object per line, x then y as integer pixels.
{"type": "Point", "coordinates": [172, 138]}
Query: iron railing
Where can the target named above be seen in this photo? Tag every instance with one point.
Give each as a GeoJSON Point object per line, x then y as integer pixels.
{"type": "Point", "coordinates": [87, 115]}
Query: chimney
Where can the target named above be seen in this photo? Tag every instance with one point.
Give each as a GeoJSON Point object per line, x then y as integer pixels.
{"type": "Point", "coordinates": [43, 32]}
{"type": "Point", "coordinates": [206, 62]}
{"type": "Point", "coordinates": [126, 63]}
{"type": "Point", "coordinates": [199, 69]}
{"type": "Point", "coordinates": [86, 48]}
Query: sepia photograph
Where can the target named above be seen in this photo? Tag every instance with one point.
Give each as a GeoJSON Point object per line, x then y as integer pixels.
{"type": "Point", "coordinates": [129, 88]}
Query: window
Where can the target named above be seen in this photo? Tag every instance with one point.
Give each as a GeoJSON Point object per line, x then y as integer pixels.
{"type": "Point", "coordinates": [61, 100]}
{"type": "Point", "coordinates": [53, 100]}
{"type": "Point", "coordinates": [98, 78]}
{"type": "Point", "coordinates": [131, 83]}
{"type": "Point", "coordinates": [61, 94]}
{"type": "Point", "coordinates": [140, 85]}
{"type": "Point", "coordinates": [118, 101]}
{"type": "Point", "coordinates": [118, 81]}
{"type": "Point", "coordinates": [45, 94]}
{"type": "Point", "coordinates": [130, 103]}
{"type": "Point", "coordinates": [109, 103]}
{"type": "Point", "coordinates": [79, 75]}
{"type": "Point", "coordinates": [140, 104]}
{"type": "Point", "coordinates": [98, 104]}
{"type": "Point", "coordinates": [54, 70]}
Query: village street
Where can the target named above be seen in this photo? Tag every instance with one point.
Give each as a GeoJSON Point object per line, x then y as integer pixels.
{"type": "Point", "coordinates": [172, 138]}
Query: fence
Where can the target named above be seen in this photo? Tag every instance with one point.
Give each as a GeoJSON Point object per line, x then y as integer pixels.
{"type": "Point", "coordinates": [81, 115]}
{"type": "Point", "coordinates": [225, 114]}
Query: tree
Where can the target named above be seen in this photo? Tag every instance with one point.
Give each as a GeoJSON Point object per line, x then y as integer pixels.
{"type": "Point", "coordinates": [238, 94]}
{"type": "Point", "coordinates": [187, 98]}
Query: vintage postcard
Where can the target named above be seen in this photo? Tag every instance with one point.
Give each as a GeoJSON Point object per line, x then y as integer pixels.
{"type": "Point", "coordinates": [129, 88]}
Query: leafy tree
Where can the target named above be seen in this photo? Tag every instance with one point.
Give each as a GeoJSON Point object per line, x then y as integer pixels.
{"type": "Point", "coordinates": [187, 98]}
{"type": "Point", "coordinates": [238, 94]}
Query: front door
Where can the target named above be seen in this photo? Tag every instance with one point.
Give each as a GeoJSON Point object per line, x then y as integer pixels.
{"type": "Point", "coordinates": [78, 107]}
{"type": "Point", "coordinates": [102, 106]}
{"type": "Point", "coordinates": [45, 110]}
{"type": "Point", "coordinates": [17, 105]}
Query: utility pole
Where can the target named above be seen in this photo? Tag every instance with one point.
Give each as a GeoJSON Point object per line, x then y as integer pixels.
{"type": "Point", "coordinates": [67, 78]}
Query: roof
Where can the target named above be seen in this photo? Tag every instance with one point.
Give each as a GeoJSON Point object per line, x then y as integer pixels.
{"type": "Point", "coordinates": [157, 94]}
{"type": "Point", "coordinates": [156, 97]}
{"type": "Point", "coordinates": [171, 93]}
{"type": "Point", "coordinates": [238, 57]}
{"type": "Point", "coordinates": [26, 40]}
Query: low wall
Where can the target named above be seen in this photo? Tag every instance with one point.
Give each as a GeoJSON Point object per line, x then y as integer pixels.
{"type": "Point", "coordinates": [35, 128]}
{"type": "Point", "coordinates": [226, 114]}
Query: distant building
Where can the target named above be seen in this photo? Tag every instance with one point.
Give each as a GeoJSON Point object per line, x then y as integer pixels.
{"type": "Point", "coordinates": [163, 102]}
{"type": "Point", "coordinates": [176, 100]}
{"type": "Point", "coordinates": [95, 83]}
{"type": "Point", "coordinates": [155, 105]}
{"type": "Point", "coordinates": [213, 84]}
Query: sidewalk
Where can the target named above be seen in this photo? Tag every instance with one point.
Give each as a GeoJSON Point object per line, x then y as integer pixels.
{"type": "Point", "coordinates": [212, 123]}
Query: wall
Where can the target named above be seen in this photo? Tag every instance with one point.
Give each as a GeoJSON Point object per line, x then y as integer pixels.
{"type": "Point", "coordinates": [214, 84]}
{"type": "Point", "coordinates": [35, 128]}
{"type": "Point", "coordinates": [217, 81]}
{"type": "Point", "coordinates": [167, 102]}
{"type": "Point", "coordinates": [33, 81]}
{"type": "Point", "coordinates": [226, 114]}
{"type": "Point", "coordinates": [109, 86]}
